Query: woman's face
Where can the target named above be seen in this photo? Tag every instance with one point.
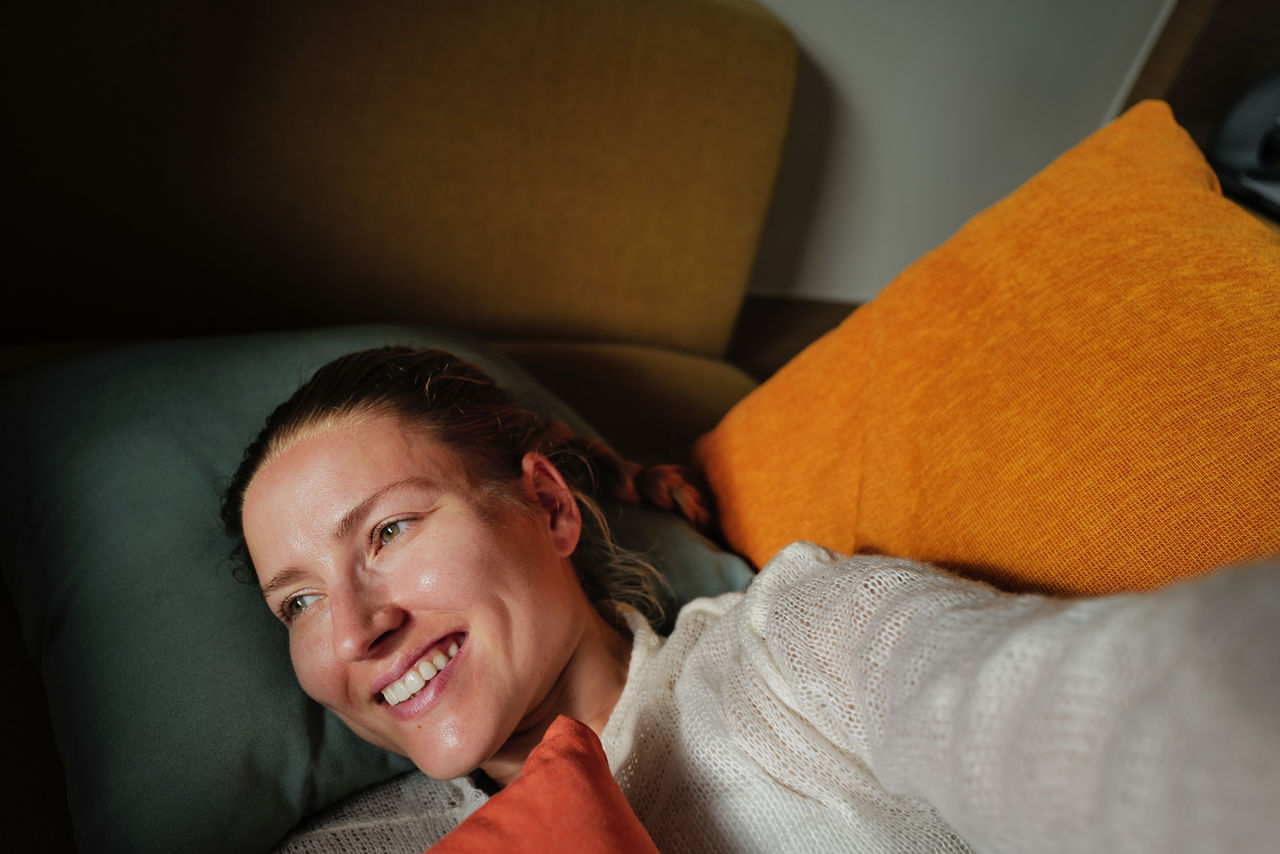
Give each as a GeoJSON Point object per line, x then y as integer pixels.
{"type": "Point", "coordinates": [436, 618]}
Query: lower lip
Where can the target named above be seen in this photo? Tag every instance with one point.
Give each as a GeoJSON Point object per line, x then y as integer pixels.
{"type": "Point", "coordinates": [427, 697]}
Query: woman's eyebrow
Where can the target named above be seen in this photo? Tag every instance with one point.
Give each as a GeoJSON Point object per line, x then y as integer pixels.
{"type": "Point", "coordinates": [280, 579]}
{"type": "Point", "coordinates": [349, 519]}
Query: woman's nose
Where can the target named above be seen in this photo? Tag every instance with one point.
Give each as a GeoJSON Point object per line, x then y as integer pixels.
{"type": "Point", "coordinates": [361, 621]}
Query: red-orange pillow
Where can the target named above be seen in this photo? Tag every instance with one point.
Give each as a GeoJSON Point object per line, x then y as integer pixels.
{"type": "Point", "coordinates": [1078, 393]}
{"type": "Point", "coordinates": [565, 800]}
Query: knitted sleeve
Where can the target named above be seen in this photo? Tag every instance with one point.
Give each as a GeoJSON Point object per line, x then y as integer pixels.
{"type": "Point", "coordinates": [1127, 723]}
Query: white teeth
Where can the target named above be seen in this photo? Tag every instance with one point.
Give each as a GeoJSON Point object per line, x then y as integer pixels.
{"type": "Point", "coordinates": [413, 681]}
{"type": "Point", "coordinates": [417, 677]}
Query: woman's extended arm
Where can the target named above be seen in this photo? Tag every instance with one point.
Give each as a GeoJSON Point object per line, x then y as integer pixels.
{"type": "Point", "coordinates": [1126, 723]}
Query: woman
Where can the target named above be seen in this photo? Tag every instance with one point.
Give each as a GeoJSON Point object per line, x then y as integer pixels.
{"type": "Point", "coordinates": [449, 589]}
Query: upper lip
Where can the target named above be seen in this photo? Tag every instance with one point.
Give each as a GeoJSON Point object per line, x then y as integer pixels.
{"type": "Point", "coordinates": [404, 662]}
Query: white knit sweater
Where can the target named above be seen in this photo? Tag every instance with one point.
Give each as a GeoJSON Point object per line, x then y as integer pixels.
{"type": "Point", "coordinates": [870, 704]}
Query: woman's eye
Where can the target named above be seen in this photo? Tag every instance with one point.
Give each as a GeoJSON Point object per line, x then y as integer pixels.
{"type": "Point", "coordinates": [295, 605]}
{"type": "Point", "coordinates": [389, 532]}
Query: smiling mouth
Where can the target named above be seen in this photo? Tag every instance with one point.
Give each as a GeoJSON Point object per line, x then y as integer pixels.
{"type": "Point", "coordinates": [421, 673]}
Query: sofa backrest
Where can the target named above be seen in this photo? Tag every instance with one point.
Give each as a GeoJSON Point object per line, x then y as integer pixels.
{"type": "Point", "coordinates": [571, 169]}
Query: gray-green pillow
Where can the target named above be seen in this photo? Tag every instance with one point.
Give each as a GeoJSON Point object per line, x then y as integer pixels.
{"type": "Point", "coordinates": [176, 713]}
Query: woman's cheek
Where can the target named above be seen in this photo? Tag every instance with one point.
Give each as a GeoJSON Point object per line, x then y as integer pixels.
{"type": "Point", "coordinates": [305, 652]}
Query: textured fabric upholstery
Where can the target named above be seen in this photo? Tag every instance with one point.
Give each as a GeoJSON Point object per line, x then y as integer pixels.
{"type": "Point", "coordinates": [565, 799]}
{"type": "Point", "coordinates": [1075, 394]}
{"type": "Point", "coordinates": [651, 402]}
{"type": "Point", "coordinates": [585, 169]}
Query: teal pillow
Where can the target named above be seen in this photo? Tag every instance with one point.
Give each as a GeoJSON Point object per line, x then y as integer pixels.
{"type": "Point", "coordinates": [175, 710]}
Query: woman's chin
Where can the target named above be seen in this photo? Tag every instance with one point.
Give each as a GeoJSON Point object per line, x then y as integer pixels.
{"type": "Point", "coordinates": [451, 752]}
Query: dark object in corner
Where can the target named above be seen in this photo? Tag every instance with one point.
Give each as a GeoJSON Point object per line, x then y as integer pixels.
{"type": "Point", "coordinates": [1246, 151]}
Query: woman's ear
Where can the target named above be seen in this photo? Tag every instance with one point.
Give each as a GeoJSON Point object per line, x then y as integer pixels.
{"type": "Point", "coordinates": [544, 484]}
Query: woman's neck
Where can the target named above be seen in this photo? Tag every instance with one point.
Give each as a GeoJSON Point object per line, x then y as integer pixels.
{"type": "Point", "coordinates": [587, 690]}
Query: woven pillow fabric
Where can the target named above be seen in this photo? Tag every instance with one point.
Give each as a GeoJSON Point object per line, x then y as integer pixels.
{"type": "Point", "coordinates": [565, 799]}
{"type": "Point", "coordinates": [1076, 394]}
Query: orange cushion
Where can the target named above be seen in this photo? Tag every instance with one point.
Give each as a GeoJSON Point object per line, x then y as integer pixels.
{"type": "Point", "coordinates": [1078, 393]}
{"type": "Point", "coordinates": [564, 800]}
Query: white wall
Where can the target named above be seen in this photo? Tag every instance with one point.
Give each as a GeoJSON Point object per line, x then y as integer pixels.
{"type": "Point", "coordinates": [913, 115]}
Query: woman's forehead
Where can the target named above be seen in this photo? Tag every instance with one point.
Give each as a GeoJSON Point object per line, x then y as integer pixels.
{"type": "Point", "coordinates": [360, 449]}
{"type": "Point", "coordinates": [317, 486]}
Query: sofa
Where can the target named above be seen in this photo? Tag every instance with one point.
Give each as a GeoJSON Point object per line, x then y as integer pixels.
{"type": "Point", "coordinates": [1073, 396]}
{"type": "Point", "coordinates": [527, 172]}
